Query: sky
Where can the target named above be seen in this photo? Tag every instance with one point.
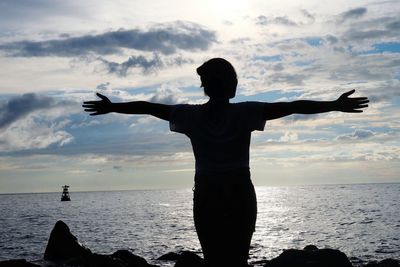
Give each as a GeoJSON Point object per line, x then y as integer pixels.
{"type": "Point", "coordinates": [56, 54]}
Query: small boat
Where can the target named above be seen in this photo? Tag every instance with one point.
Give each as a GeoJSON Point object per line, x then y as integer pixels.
{"type": "Point", "coordinates": [65, 193]}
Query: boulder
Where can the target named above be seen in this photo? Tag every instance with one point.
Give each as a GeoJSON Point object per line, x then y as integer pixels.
{"type": "Point", "coordinates": [99, 260]}
{"type": "Point", "coordinates": [311, 256]}
{"type": "Point", "coordinates": [130, 259]}
{"type": "Point", "coordinates": [63, 245]}
{"type": "Point", "coordinates": [170, 256]}
{"type": "Point", "coordinates": [189, 259]}
{"type": "Point", "coordinates": [183, 259]}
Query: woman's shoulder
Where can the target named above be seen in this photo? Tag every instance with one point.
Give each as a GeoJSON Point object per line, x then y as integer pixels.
{"type": "Point", "coordinates": [248, 105]}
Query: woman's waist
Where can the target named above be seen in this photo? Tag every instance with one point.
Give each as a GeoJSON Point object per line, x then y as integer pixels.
{"type": "Point", "coordinates": [229, 176]}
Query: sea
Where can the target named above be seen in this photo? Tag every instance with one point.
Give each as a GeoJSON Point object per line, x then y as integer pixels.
{"type": "Point", "coordinates": [362, 220]}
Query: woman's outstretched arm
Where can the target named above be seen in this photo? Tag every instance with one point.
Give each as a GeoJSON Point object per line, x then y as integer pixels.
{"type": "Point", "coordinates": [344, 104]}
{"type": "Point", "coordinates": [105, 106]}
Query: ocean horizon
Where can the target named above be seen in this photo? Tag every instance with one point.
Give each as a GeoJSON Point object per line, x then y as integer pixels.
{"type": "Point", "coordinates": [359, 219]}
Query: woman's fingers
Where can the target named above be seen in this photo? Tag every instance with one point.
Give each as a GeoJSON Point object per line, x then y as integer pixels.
{"type": "Point", "coordinates": [354, 111]}
{"type": "Point", "coordinates": [90, 102]}
{"type": "Point", "coordinates": [103, 97]}
{"type": "Point", "coordinates": [363, 101]}
{"type": "Point", "coordinates": [348, 93]}
{"type": "Point", "coordinates": [362, 106]}
{"type": "Point", "coordinates": [360, 98]}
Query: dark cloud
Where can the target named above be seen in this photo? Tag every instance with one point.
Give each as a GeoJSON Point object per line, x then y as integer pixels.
{"type": "Point", "coordinates": [394, 25]}
{"type": "Point", "coordinates": [165, 39]}
{"type": "Point", "coordinates": [147, 65]}
{"type": "Point", "coordinates": [121, 69]}
{"type": "Point", "coordinates": [355, 34]}
{"type": "Point", "coordinates": [354, 13]}
{"type": "Point", "coordinates": [283, 77]}
{"type": "Point", "coordinates": [240, 41]}
{"type": "Point", "coordinates": [103, 86]}
{"type": "Point", "coordinates": [356, 135]}
{"type": "Point", "coordinates": [281, 20]}
{"type": "Point", "coordinates": [20, 106]}
{"type": "Point", "coordinates": [278, 67]}
{"type": "Point", "coordinates": [331, 39]}
{"type": "Point", "coordinates": [384, 27]}
{"type": "Point", "coordinates": [308, 15]}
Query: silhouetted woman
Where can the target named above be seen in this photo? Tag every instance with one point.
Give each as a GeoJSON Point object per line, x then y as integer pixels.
{"type": "Point", "coordinates": [225, 204]}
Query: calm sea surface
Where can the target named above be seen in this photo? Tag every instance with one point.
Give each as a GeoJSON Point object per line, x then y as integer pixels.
{"type": "Point", "coordinates": [361, 220]}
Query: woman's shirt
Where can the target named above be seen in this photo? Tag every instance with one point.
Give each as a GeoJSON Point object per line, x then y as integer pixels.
{"type": "Point", "coordinates": [219, 133]}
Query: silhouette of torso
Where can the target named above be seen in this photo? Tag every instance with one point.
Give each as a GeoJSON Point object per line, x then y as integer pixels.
{"type": "Point", "coordinates": [219, 133]}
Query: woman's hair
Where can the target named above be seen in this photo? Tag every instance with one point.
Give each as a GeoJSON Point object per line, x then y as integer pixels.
{"type": "Point", "coordinates": [218, 78]}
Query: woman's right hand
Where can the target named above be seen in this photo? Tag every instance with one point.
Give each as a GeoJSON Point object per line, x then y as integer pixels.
{"type": "Point", "coordinates": [99, 107]}
{"type": "Point", "coordinates": [352, 105]}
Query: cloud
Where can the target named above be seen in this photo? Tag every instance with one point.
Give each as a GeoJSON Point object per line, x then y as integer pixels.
{"type": "Point", "coordinates": [19, 107]}
{"type": "Point", "coordinates": [32, 121]}
{"type": "Point", "coordinates": [280, 20]}
{"type": "Point", "coordinates": [308, 15]}
{"type": "Point", "coordinates": [354, 13]}
{"type": "Point", "coordinates": [286, 78]}
{"type": "Point", "coordinates": [358, 134]}
{"type": "Point", "coordinates": [33, 133]}
{"type": "Point", "coordinates": [394, 25]}
{"type": "Point", "coordinates": [163, 38]}
{"type": "Point", "coordinates": [147, 65]}
{"type": "Point", "coordinates": [331, 39]}
{"type": "Point", "coordinates": [377, 28]}
{"type": "Point", "coordinates": [103, 86]}
{"type": "Point", "coordinates": [166, 96]}
{"type": "Point", "coordinates": [289, 137]}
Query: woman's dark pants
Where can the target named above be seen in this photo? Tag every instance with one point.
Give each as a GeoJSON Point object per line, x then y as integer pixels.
{"type": "Point", "coordinates": [225, 210]}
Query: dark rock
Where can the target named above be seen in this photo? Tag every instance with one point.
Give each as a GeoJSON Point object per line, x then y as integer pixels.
{"type": "Point", "coordinates": [183, 259]}
{"type": "Point", "coordinates": [99, 260]}
{"type": "Point", "coordinates": [170, 256]}
{"type": "Point", "coordinates": [189, 259]}
{"type": "Point", "coordinates": [130, 259]}
{"type": "Point", "coordinates": [310, 248]}
{"type": "Point", "coordinates": [17, 263]}
{"type": "Point", "coordinates": [384, 263]}
{"type": "Point", "coordinates": [63, 245]}
{"type": "Point", "coordinates": [310, 257]}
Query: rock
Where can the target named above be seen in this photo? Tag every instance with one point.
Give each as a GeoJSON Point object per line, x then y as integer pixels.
{"type": "Point", "coordinates": [183, 259]}
{"type": "Point", "coordinates": [311, 256]}
{"type": "Point", "coordinates": [170, 256]}
{"type": "Point", "coordinates": [63, 245]}
{"type": "Point", "coordinates": [17, 263]}
{"type": "Point", "coordinates": [310, 248]}
{"type": "Point", "coordinates": [189, 259]}
{"type": "Point", "coordinates": [130, 259]}
{"type": "Point", "coordinates": [63, 248]}
{"type": "Point", "coordinates": [99, 260]}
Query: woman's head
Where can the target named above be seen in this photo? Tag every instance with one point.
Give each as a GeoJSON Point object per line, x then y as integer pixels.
{"type": "Point", "coordinates": [218, 78]}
